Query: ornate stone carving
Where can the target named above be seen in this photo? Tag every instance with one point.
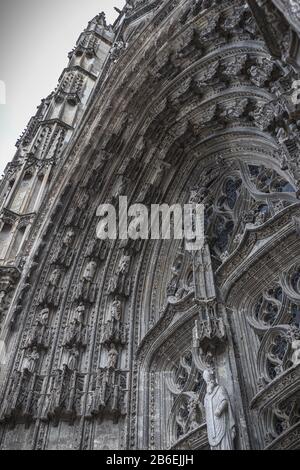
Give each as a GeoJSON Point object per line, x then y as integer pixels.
{"type": "Point", "coordinates": [86, 290]}
{"type": "Point", "coordinates": [31, 361]}
{"type": "Point", "coordinates": [209, 334]}
{"type": "Point", "coordinates": [191, 101]}
{"type": "Point", "coordinates": [219, 416]}
{"type": "Point", "coordinates": [39, 335]}
{"type": "Point", "coordinates": [121, 282]}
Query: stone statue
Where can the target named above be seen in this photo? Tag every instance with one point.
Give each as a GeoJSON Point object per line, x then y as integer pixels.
{"type": "Point", "coordinates": [115, 312]}
{"type": "Point", "coordinates": [31, 361]}
{"type": "Point", "coordinates": [2, 296]}
{"type": "Point", "coordinates": [159, 175]}
{"type": "Point", "coordinates": [73, 359]}
{"type": "Point", "coordinates": [296, 353]}
{"type": "Point", "coordinates": [219, 416]}
{"type": "Point", "coordinates": [44, 317]}
{"type": "Point", "coordinates": [120, 283]}
{"type": "Point", "coordinates": [79, 313]}
{"type": "Point", "coordinates": [112, 357]}
{"type": "Point", "coordinates": [55, 278]}
{"type": "Point", "coordinates": [124, 265]}
{"type": "Point", "coordinates": [37, 334]}
{"type": "Point", "coordinates": [90, 271]}
{"type": "Point", "coordinates": [73, 332]}
{"type": "Point", "coordinates": [69, 238]}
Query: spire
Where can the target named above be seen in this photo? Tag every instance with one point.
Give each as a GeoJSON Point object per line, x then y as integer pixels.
{"type": "Point", "coordinates": [99, 24]}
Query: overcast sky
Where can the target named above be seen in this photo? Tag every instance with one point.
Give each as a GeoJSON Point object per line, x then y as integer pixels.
{"type": "Point", "coordinates": [35, 38]}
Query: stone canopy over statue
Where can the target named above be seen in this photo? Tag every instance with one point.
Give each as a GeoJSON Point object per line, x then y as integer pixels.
{"type": "Point", "coordinates": [219, 416]}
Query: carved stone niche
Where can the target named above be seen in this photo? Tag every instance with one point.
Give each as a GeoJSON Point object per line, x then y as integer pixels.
{"type": "Point", "coordinates": [120, 284]}
{"type": "Point", "coordinates": [107, 398]}
{"type": "Point", "coordinates": [113, 329]}
{"type": "Point", "coordinates": [64, 396]}
{"type": "Point", "coordinates": [39, 335]}
{"type": "Point", "coordinates": [209, 333]}
{"type": "Point", "coordinates": [51, 293]}
{"type": "Point", "coordinates": [20, 403]}
{"type": "Point", "coordinates": [65, 252]}
{"type": "Point", "coordinates": [86, 290]}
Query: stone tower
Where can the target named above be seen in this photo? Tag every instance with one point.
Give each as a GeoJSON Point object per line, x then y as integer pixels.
{"type": "Point", "coordinates": [143, 344]}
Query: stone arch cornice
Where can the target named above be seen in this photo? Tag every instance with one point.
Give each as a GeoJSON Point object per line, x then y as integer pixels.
{"type": "Point", "coordinates": [263, 253]}
{"type": "Point", "coordinates": [170, 322]}
{"type": "Point", "coordinates": [280, 388]}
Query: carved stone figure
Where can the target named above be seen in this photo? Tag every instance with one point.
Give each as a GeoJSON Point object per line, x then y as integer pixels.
{"type": "Point", "coordinates": [69, 238]}
{"type": "Point", "coordinates": [2, 297]}
{"type": "Point", "coordinates": [64, 253]}
{"type": "Point", "coordinates": [37, 336]}
{"type": "Point", "coordinates": [296, 352]}
{"type": "Point", "coordinates": [80, 313]}
{"type": "Point", "coordinates": [73, 359]}
{"type": "Point", "coordinates": [86, 289]}
{"type": "Point", "coordinates": [115, 312]}
{"type": "Point", "coordinates": [51, 292]}
{"type": "Point", "coordinates": [44, 317]}
{"type": "Point", "coordinates": [121, 281]}
{"type": "Point", "coordinates": [117, 50]}
{"type": "Point", "coordinates": [219, 416]}
{"type": "Point", "coordinates": [112, 357]}
{"type": "Point", "coordinates": [31, 360]}
{"type": "Point", "coordinates": [90, 271]}
{"type": "Point", "coordinates": [55, 278]}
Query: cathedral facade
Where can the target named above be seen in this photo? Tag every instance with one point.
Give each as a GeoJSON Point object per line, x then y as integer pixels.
{"type": "Point", "coordinates": [143, 344]}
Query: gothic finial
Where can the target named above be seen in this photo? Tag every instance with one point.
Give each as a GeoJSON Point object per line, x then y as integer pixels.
{"type": "Point", "coordinates": [101, 19]}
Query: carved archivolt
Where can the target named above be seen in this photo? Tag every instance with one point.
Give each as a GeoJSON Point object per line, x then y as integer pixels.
{"type": "Point", "coordinates": [192, 105]}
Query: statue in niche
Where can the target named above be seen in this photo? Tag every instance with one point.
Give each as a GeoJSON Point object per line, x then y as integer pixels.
{"type": "Point", "coordinates": [296, 352]}
{"type": "Point", "coordinates": [31, 360]}
{"type": "Point", "coordinates": [73, 359]}
{"type": "Point", "coordinates": [44, 317]}
{"type": "Point", "coordinates": [73, 335]}
{"type": "Point", "coordinates": [80, 313]}
{"type": "Point", "coordinates": [98, 249]}
{"type": "Point", "coordinates": [77, 214]}
{"type": "Point", "coordinates": [2, 297]}
{"type": "Point", "coordinates": [121, 190]}
{"type": "Point", "coordinates": [112, 330]}
{"type": "Point", "coordinates": [69, 238]}
{"type": "Point", "coordinates": [124, 265]}
{"type": "Point", "coordinates": [112, 357]}
{"type": "Point", "coordinates": [55, 277]}
{"type": "Point", "coordinates": [219, 416]}
{"type": "Point", "coordinates": [90, 271]}
{"type": "Point", "coordinates": [173, 285]}
{"type": "Point", "coordinates": [64, 254]}
{"type": "Point", "coordinates": [115, 312]}
{"type": "Point", "coordinates": [121, 283]}
{"type": "Point", "coordinates": [86, 289]}
{"type": "Point", "coordinates": [37, 335]}
{"type": "Point", "coordinates": [159, 175]}
{"type": "Point", "coordinates": [51, 293]}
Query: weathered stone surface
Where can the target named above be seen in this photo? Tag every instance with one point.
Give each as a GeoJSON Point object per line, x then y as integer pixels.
{"type": "Point", "coordinates": [104, 345]}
